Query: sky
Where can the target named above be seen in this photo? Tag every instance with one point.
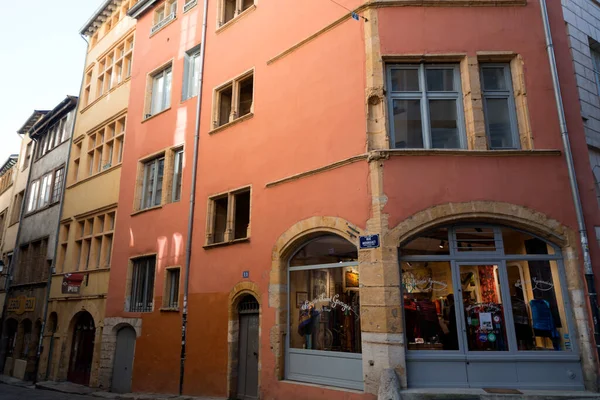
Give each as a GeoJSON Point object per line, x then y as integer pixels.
{"type": "Point", "coordinates": [42, 58]}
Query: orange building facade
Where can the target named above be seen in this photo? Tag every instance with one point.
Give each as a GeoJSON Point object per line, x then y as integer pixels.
{"type": "Point", "coordinates": [358, 175]}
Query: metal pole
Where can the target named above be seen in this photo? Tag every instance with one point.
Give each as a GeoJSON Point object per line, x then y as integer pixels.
{"type": "Point", "coordinates": [587, 260]}
{"type": "Point", "coordinates": [190, 229]}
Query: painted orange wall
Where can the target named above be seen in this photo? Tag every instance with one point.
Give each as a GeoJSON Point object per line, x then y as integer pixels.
{"type": "Point", "coordinates": [309, 111]}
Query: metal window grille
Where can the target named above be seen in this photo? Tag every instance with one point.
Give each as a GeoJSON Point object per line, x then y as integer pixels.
{"type": "Point", "coordinates": [248, 305]}
{"type": "Point", "coordinates": [142, 285]}
{"type": "Point", "coordinates": [173, 282]}
{"type": "Point", "coordinates": [189, 5]}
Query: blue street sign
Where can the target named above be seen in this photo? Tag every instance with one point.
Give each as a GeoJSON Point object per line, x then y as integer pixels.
{"type": "Point", "coordinates": [246, 274]}
{"type": "Point", "coordinates": [369, 241]}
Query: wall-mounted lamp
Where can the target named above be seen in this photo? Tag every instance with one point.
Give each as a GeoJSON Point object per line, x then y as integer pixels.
{"type": "Point", "coordinates": [441, 244]}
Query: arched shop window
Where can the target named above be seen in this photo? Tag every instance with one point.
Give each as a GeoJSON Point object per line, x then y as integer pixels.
{"type": "Point", "coordinates": [483, 288]}
{"type": "Point", "coordinates": [324, 314]}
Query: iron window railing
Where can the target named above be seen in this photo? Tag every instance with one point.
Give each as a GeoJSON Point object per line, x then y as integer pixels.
{"type": "Point", "coordinates": [142, 285]}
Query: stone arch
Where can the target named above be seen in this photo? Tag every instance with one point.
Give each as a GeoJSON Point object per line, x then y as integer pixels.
{"type": "Point", "coordinates": [529, 220]}
{"type": "Point", "coordinates": [239, 292]}
{"type": "Point", "coordinates": [286, 244]}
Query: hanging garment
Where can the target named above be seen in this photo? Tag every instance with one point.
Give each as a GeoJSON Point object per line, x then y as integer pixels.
{"type": "Point", "coordinates": [543, 322]}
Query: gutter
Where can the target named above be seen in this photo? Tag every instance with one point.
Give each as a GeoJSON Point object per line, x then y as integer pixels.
{"type": "Point", "coordinates": [40, 346]}
{"type": "Point", "coordinates": [587, 260]}
{"type": "Point", "coordinates": [190, 229]}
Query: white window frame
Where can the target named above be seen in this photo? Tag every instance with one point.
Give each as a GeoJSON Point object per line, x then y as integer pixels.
{"type": "Point", "coordinates": [45, 191]}
{"type": "Point", "coordinates": [191, 73]}
{"type": "Point", "coordinates": [500, 94]}
{"type": "Point", "coordinates": [189, 4]}
{"type": "Point", "coordinates": [165, 100]}
{"type": "Point", "coordinates": [177, 176]}
{"type": "Point", "coordinates": [33, 195]}
{"type": "Point", "coordinates": [595, 54]}
{"type": "Point", "coordinates": [143, 198]}
{"type": "Point", "coordinates": [424, 96]}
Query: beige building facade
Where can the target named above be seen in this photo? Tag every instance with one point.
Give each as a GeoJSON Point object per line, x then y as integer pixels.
{"type": "Point", "coordinates": [75, 325]}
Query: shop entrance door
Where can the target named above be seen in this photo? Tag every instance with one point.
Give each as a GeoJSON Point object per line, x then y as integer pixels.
{"type": "Point", "coordinates": [82, 350]}
{"type": "Point", "coordinates": [484, 321]}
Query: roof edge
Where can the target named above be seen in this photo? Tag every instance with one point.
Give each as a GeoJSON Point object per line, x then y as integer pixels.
{"type": "Point", "coordinates": [97, 14]}
{"type": "Point", "coordinates": [140, 8]}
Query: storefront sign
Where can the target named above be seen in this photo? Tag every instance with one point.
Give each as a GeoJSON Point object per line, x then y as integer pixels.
{"type": "Point", "coordinates": [369, 241]}
{"type": "Point", "coordinates": [21, 304]}
{"type": "Point", "coordinates": [71, 283]}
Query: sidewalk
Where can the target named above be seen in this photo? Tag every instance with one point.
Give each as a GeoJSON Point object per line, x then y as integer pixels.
{"type": "Point", "coordinates": [72, 388]}
{"type": "Point", "coordinates": [490, 394]}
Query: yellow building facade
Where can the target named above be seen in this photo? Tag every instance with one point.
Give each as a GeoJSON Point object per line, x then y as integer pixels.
{"type": "Point", "coordinates": [74, 327]}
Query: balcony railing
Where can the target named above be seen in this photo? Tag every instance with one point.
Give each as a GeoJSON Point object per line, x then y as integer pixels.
{"type": "Point", "coordinates": [162, 23]}
{"type": "Point", "coordinates": [189, 5]}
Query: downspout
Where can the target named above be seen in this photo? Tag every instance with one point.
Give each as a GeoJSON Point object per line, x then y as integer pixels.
{"type": "Point", "coordinates": [15, 258]}
{"type": "Point", "coordinates": [56, 234]}
{"type": "Point", "coordinates": [587, 261]}
{"type": "Point", "coordinates": [190, 229]}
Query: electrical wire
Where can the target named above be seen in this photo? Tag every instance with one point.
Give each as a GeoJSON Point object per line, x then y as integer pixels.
{"type": "Point", "coordinates": [354, 15]}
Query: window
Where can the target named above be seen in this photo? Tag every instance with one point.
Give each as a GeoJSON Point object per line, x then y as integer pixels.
{"type": "Point", "coordinates": [324, 324]}
{"type": "Point", "coordinates": [171, 299]}
{"type": "Point", "coordinates": [16, 210]}
{"type": "Point", "coordinates": [33, 262]}
{"type": "Point", "coordinates": [105, 146]}
{"type": "Point", "coordinates": [163, 14]}
{"type": "Point", "coordinates": [28, 153]}
{"type": "Point", "coordinates": [114, 67]}
{"type": "Point", "coordinates": [426, 107]}
{"type": "Point", "coordinates": [153, 182]}
{"type": "Point", "coordinates": [191, 73]}
{"type": "Point", "coordinates": [33, 195]}
{"type": "Point", "coordinates": [595, 53]}
{"type": "Point", "coordinates": [189, 4]}
{"type": "Point", "coordinates": [514, 303]}
{"type": "Point", "coordinates": [3, 218]}
{"type": "Point", "coordinates": [499, 106]}
{"type": "Point", "coordinates": [223, 229]}
{"type": "Point", "coordinates": [232, 8]}
{"type": "Point", "coordinates": [63, 239]}
{"type": "Point", "coordinates": [177, 175]}
{"type": "Point", "coordinates": [94, 239]}
{"type": "Point", "coordinates": [55, 135]}
{"type": "Point", "coordinates": [6, 180]}
{"type": "Point", "coordinates": [58, 184]}
{"type": "Point", "coordinates": [159, 174]}
{"type": "Point", "coordinates": [45, 187]}
{"type": "Point", "coordinates": [160, 91]}
{"type": "Point", "coordinates": [142, 284]}
{"type": "Point", "coordinates": [230, 107]}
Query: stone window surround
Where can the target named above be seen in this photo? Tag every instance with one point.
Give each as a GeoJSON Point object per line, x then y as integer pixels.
{"type": "Point", "coordinates": [129, 281]}
{"type": "Point", "coordinates": [229, 237]}
{"type": "Point", "coordinates": [166, 289]}
{"type": "Point", "coordinates": [472, 97]}
{"type": "Point", "coordinates": [235, 87]}
{"type": "Point", "coordinates": [167, 189]}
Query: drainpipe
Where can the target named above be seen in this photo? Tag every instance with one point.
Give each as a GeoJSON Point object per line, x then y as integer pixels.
{"type": "Point", "coordinates": [587, 261]}
{"type": "Point", "coordinates": [56, 234]}
{"type": "Point", "coordinates": [190, 229]}
{"type": "Point", "coordinates": [14, 260]}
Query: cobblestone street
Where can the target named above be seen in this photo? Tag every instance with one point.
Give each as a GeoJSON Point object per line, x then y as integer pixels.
{"type": "Point", "coordinates": [8, 392]}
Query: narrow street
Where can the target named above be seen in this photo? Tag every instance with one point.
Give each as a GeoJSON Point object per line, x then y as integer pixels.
{"type": "Point", "coordinates": [8, 392]}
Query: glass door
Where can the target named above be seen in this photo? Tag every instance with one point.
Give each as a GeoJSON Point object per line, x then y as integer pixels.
{"type": "Point", "coordinates": [484, 318]}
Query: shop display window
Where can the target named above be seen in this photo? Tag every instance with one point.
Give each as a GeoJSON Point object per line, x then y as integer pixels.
{"type": "Point", "coordinates": [506, 281]}
{"type": "Point", "coordinates": [324, 302]}
{"type": "Point", "coordinates": [429, 312]}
